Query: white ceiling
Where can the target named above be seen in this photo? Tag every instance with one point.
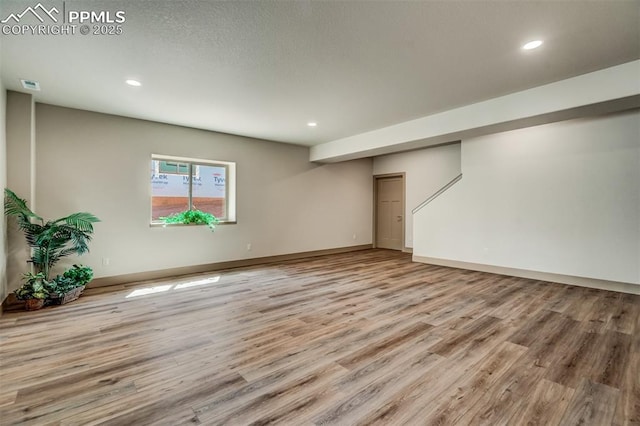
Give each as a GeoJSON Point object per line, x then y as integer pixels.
{"type": "Point", "coordinates": [264, 69]}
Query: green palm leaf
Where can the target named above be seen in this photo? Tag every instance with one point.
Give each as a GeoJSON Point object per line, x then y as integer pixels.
{"type": "Point", "coordinates": [16, 206]}
{"type": "Point", "coordinates": [52, 240]}
{"type": "Point", "coordinates": [82, 221]}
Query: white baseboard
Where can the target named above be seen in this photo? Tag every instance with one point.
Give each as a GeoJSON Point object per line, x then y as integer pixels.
{"type": "Point", "coordinates": [542, 276]}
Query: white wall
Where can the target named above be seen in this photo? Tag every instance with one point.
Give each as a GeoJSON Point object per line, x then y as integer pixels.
{"type": "Point", "coordinates": [285, 204]}
{"type": "Point", "coordinates": [561, 198]}
{"type": "Point", "coordinates": [427, 170]}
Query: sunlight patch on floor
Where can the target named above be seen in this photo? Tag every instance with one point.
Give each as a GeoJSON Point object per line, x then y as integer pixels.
{"type": "Point", "coordinates": [145, 291]}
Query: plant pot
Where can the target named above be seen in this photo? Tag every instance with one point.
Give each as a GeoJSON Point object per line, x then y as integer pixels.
{"type": "Point", "coordinates": [33, 304]}
{"type": "Point", "coordinates": [70, 296]}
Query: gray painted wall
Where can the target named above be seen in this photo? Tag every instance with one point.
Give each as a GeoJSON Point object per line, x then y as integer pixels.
{"type": "Point", "coordinates": [3, 183]}
{"type": "Point", "coordinates": [20, 145]}
{"type": "Point", "coordinates": [285, 204]}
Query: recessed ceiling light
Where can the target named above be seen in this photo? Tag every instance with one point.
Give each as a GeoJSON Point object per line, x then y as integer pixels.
{"type": "Point", "coordinates": [135, 83]}
{"type": "Point", "coordinates": [312, 124]}
{"type": "Point", "coordinates": [30, 84]}
{"type": "Point", "coordinates": [532, 44]}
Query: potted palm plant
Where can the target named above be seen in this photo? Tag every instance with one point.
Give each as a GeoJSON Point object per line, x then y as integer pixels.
{"type": "Point", "coordinates": [50, 240]}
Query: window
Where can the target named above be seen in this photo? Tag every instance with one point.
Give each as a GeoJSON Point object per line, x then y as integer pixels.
{"type": "Point", "coordinates": [179, 184]}
{"type": "Point", "coordinates": [173, 167]}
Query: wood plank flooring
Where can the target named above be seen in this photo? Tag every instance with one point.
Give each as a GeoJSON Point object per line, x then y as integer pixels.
{"type": "Point", "coordinates": [352, 339]}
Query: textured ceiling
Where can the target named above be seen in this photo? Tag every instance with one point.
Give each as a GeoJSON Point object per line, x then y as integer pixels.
{"type": "Point", "coordinates": [264, 69]}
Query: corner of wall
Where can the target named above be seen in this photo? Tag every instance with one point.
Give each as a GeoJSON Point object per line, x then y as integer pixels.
{"type": "Point", "coordinates": [19, 161]}
{"type": "Point", "coordinates": [3, 183]}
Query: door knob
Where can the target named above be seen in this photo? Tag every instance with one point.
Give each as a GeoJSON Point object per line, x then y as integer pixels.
{"type": "Point", "coordinates": [399, 218]}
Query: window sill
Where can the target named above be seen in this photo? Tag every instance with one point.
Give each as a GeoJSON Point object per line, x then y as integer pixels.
{"type": "Point", "coordinates": [171, 225]}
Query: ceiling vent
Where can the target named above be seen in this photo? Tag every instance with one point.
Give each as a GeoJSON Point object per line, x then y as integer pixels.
{"type": "Point", "coordinates": [30, 85]}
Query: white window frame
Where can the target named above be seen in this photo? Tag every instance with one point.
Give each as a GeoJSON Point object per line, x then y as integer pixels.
{"type": "Point", "coordinates": [230, 183]}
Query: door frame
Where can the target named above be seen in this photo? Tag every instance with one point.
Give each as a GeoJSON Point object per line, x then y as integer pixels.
{"type": "Point", "coordinates": [402, 175]}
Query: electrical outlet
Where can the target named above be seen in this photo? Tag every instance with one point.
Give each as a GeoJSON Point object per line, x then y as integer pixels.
{"type": "Point", "coordinates": [106, 261]}
{"type": "Point", "coordinates": [355, 237]}
{"type": "Point", "coordinates": [249, 247]}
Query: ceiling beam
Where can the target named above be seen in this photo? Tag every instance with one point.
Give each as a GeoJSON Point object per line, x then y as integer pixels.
{"type": "Point", "coordinates": [608, 90]}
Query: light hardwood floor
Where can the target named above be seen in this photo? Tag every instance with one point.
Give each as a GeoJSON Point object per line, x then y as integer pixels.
{"type": "Point", "coordinates": [349, 339]}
